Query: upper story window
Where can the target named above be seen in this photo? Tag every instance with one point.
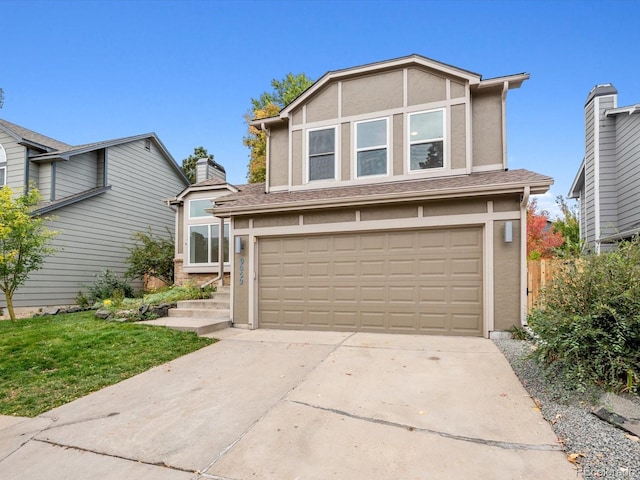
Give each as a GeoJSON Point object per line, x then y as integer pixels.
{"type": "Point", "coordinates": [426, 140]}
{"type": "Point", "coordinates": [371, 148]}
{"type": "Point", "coordinates": [322, 154]}
{"type": "Point", "coordinates": [198, 208]}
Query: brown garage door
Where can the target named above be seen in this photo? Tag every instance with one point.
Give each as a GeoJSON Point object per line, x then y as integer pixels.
{"type": "Point", "coordinates": [426, 281]}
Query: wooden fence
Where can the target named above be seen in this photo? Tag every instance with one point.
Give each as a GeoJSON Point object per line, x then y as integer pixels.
{"type": "Point", "coordinates": [539, 274]}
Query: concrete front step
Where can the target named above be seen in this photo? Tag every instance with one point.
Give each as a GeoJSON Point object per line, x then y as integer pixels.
{"type": "Point", "coordinates": [209, 303]}
{"type": "Point", "coordinates": [199, 325]}
{"type": "Point", "coordinates": [199, 312]}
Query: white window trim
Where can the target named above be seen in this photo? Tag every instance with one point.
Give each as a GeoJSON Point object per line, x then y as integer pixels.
{"type": "Point", "coordinates": [208, 225]}
{"type": "Point", "coordinates": [207, 217]}
{"type": "Point", "coordinates": [336, 161]}
{"type": "Point", "coordinates": [445, 158]}
{"type": "Point", "coordinates": [356, 150]}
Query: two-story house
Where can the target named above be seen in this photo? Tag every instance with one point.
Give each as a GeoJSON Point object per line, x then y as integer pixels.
{"type": "Point", "coordinates": [388, 207]}
{"type": "Point", "coordinates": [608, 180]}
{"type": "Point", "coordinates": [98, 194]}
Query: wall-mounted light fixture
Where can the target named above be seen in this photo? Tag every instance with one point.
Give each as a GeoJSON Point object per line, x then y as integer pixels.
{"type": "Point", "coordinates": [239, 246]}
{"type": "Point", "coordinates": [508, 232]}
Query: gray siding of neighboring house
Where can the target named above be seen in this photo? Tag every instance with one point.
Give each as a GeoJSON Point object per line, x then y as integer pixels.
{"type": "Point", "coordinates": [15, 160]}
{"type": "Point", "coordinates": [608, 176]}
{"type": "Point", "coordinates": [589, 177]}
{"type": "Point", "coordinates": [628, 152]}
{"type": "Point", "coordinates": [95, 232]}
{"type": "Point", "coordinates": [76, 175]}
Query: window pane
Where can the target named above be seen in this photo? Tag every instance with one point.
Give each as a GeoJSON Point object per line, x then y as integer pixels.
{"type": "Point", "coordinates": [322, 167]}
{"type": "Point", "coordinates": [322, 141]}
{"type": "Point", "coordinates": [372, 162]}
{"type": "Point", "coordinates": [214, 243]}
{"type": "Point", "coordinates": [197, 208]}
{"type": "Point", "coordinates": [2, 176]}
{"type": "Point", "coordinates": [427, 155]}
{"type": "Point", "coordinates": [372, 134]}
{"type": "Point", "coordinates": [198, 243]}
{"type": "Point", "coordinates": [427, 126]}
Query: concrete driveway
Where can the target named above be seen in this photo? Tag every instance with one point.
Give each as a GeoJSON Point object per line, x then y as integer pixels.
{"type": "Point", "coordinates": [299, 405]}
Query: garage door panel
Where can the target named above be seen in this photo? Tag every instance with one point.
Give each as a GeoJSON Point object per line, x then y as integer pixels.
{"type": "Point", "coordinates": [426, 281]}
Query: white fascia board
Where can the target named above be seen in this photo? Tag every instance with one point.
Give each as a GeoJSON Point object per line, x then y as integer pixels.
{"type": "Point", "coordinates": [514, 81]}
{"type": "Point", "coordinates": [578, 181]}
{"type": "Point", "coordinates": [612, 112]}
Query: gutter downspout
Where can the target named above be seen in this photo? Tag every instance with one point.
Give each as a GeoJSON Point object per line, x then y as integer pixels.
{"type": "Point", "coordinates": [524, 288]}
{"type": "Point", "coordinates": [220, 256]}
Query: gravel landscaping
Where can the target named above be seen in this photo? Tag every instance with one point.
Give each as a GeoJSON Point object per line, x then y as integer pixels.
{"type": "Point", "coordinates": [599, 450]}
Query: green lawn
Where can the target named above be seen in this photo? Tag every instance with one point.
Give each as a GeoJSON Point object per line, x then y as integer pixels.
{"type": "Point", "coordinates": [48, 361]}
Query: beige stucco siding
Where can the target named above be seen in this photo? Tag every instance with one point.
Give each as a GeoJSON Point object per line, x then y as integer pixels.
{"type": "Point", "coordinates": [506, 265]}
{"type": "Point", "coordinates": [454, 207]}
{"type": "Point", "coordinates": [345, 151]}
{"type": "Point", "coordinates": [398, 167]}
{"type": "Point", "coordinates": [240, 222]}
{"type": "Point", "coordinates": [297, 140]}
{"type": "Point", "coordinates": [313, 218]}
{"type": "Point", "coordinates": [388, 212]}
{"type": "Point", "coordinates": [278, 157]}
{"type": "Point", "coordinates": [424, 87]}
{"type": "Point", "coordinates": [372, 93]}
{"type": "Point", "coordinates": [458, 136]}
{"type": "Point", "coordinates": [276, 220]}
{"type": "Point", "coordinates": [324, 105]}
{"type": "Point", "coordinates": [458, 90]}
{"type": "Point", "coordinates": [487, 128]}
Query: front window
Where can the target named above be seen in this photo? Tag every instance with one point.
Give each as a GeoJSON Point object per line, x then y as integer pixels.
{"type": "Point", "coordinates": [204, 242]}
{"type": "Point", "coordinates": [426, 140]}
{"type": "Point", "coordinates": [322, 154]}
{"type": "Point", "coordinates": [3, 175]}
{"type": "Point", "coordinates": [371, 148]}
{"type": "Point", "coordinates": [198, 208]}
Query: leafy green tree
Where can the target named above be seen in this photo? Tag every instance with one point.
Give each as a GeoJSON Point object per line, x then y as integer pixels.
{"type": "Point", "coordinates": [569, 227]}
{"type": "Point", "coordinates": [24, 241]}
{"type": "Point", "coordinates": [151, 255]}
{"type": "Point", "coordinates": [269, 104]}
{"type": "Point", "coordinates": [189, 163]}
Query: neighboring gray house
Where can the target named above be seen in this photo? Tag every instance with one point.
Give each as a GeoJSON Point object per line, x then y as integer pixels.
{"type": "Point", "coordinates": [99, 194]}
{"type": "Point", "coordinates": [607, 184]}
{"type": "Point", "coordinates": [388, 207]}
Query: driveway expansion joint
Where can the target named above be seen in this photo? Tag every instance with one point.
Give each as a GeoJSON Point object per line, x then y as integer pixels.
{"type": "Point", "coordinates": [120, 457]}
{"type": "Point", "coordinates": [462, 438]}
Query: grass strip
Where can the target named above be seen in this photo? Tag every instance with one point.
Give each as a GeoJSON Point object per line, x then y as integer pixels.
{"type": "Point", "coordinates": [48, 361]}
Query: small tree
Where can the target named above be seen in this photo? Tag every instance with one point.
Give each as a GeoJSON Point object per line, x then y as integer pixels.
{"type": "Point", "coordinates": [569, 227]}
{"type": "Point", "coordinates": [189, 163]}
{"type": "Point", "coordinates": [152, 256]}
{"type": "Point", "coordinates": [269, 104]}
{"type": "Point", "coordinates": [24, 241]}
{"type": "Point", "coordinates": [541, 239]}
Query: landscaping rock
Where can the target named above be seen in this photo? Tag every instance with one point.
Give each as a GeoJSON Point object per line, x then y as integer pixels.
{"type": "Point", "coordinates": [103, 314]}
{"type": "Point", "coordinates": [52, 311]}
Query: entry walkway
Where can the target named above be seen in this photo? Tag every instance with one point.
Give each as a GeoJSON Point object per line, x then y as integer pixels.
{"type": "Point", "coordinates": [308, 405]}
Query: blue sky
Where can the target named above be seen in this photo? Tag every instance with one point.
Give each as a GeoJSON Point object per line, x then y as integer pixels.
{"type": "Point", "coordinates": [84, 71]}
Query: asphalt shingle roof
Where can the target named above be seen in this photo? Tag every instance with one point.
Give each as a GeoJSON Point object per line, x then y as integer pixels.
{"type": "Point", "coordinates": [34, 137]}
{"type": "Point", "coordinates": [253, 195]}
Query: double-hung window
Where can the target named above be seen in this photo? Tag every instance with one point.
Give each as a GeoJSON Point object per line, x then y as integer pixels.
{"type": "Point", "coordinates": [426, 140]}
{"type": "Point", "coordinates": [321, 148]}
{"type": "Point", "coordinates": [371, 148]}
{"type": "Point", "coordinates": [204, 236]}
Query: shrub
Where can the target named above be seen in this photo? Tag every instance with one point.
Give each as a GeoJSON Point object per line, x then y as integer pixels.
{"type": "Point", "coordinates": [105, 285]}
{"type": "Point", "coordinates": [588, 321]}
{"type": "Point", "coordinates": [153, 256]}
